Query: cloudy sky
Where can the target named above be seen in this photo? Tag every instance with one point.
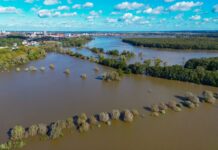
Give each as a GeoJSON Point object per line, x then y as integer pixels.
{"type": "Point", "coordinates": [109, 15]}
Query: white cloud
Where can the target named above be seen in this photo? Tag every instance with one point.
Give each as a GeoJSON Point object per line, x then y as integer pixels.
{"type": "Point", "coordinates": [95, 13]}
{"type": "Point", "coordinates": [88, 5]}
{"type": "Point", "coordinates": [215, 8]}
{"type": "Point", "coordinates": [168, 1]}
{"type": "Point", "coordinates": [155, 11]}
{"type": "Point", "coordinates": [59, 14]}
{"type": "Point", "coordinates": [111, 20]}
{"type": "Point", "coordinates": [127, 16]}
{"type": "Point", "coordinates": [44, 13]}
{"type": "Point", "coordinates": [136, 18]}
{"type": "Point", "coordinates": [129, 6]}
{"type": "Point", "coordinates": [184, 5]}
{"type": "Point", "coordinates": [9, 10]}
{"type": "Point", "coordinates": [50, 2]}
{"type": "Point", "coordinates": [195, 17]}
{"type": "Point", "coordinates": [76, 6]}
{"type": "Point", "coordinates": [115, 13]}
{"type": "Point", "coordinates": [63, 8]}
{"type": "Point", "coordinates": [130, 18]}
{"type": "Point", "coordinates": [29, 1]}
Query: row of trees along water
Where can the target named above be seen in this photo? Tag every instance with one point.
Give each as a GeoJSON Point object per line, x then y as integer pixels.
{"type": "Point", "coordinates": [159, 69]}
{"type": "Point", "coordinates": [192, 43]}
{"type": "Point", "coordinates": [19, 56]}
{"type": "Point", "coordinates": [206, 63]}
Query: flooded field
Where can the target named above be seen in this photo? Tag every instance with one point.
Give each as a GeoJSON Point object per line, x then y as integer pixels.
{"type": "Point", "coordinates": [170, 56]}
{"type": "Point", "coordinates": [42, 97]}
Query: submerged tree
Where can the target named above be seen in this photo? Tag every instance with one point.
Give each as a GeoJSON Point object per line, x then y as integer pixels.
{"type": "Point", "coordinates": [17, 133]}
{"type": "Point", "coordinates": [209, 97]}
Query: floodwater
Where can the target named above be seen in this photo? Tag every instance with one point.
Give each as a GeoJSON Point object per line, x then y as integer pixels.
{"type": "Point", "coordinates": [170, 56]}
{"type": "Point", "coordinates": [42, 97]}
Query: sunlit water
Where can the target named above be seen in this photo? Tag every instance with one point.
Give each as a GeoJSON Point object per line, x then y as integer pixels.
{"type": "Point", "coordinates": [42, 97]}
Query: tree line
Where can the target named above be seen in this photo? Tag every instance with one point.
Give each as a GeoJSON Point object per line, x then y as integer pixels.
{"type": "Point", "coordinates": [206, 63]}
{"type": "Point", "coordinates": [192, 43]}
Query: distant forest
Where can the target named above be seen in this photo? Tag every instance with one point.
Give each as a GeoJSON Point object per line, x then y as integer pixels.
{"type": "Point", "coordinates": [191, 43]}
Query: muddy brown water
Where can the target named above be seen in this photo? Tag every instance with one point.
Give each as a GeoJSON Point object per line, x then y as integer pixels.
{"type": "Point", "coordinates": [42, 97]}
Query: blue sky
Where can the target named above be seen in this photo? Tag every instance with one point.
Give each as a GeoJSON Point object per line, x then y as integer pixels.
{"type": "Point", "coordinates": [108, 15]}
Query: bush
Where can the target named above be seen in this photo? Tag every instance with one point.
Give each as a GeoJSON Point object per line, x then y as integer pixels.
{"type": "Point", "coordinates": [192, 98]}
{"type": "Point", "coordinates": [127, 116]}
{"type": "Point", "coordinates": [69, 122]}
{"type": "Point", "coordinates": [83, 76]}
{"type": "Point", "coordinates": [135, 112]}
{"type": "Point", "coordinates": [84, 127]}
{"type": "Point", "coordinates": [42, 129]}
{"type": "Point", "coordinates": [55, 129]}
{"type": "Point", "coordinates": [52, 66]}
{"type": "Point", "coordinates": [82, 118]}
{"type": "Point", "coordinates": [67, 71]}
{"type": "Point", "coordinates": [104, 117]}
{"type": "Point", "coordinates": [113, 52]}
{"type": "Point", "coordinates": [209, 97]}
{"type": "Point", "coordinates": [93, 120]}
{"type": "Point", "coordinates": [207, 63]}
{"type": "Point", "coordinates": [17, 133]}
{"type": "Point", "coordinates": [111, 76]}
{"type": "Point", "coordinates": [174, 106]}
{"type": "Point", "coordinates": [115, 115]}
{"type": "Point", "coordinates": [32, 130]}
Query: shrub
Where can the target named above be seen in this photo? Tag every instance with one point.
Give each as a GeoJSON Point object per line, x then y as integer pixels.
{"type": "Point", "coordinates": [52, 66]}
{"type": "Point", "coordinates": [67, 71]}
{"type": "Point", "coordinates": [69, 122]}
{"type": "Point", "coordinates": [55, 129]}
{"type": "Point", "coordinates": [135, 112]}
{"type": "Point", "coordinates": [83, 76]}
{"type": "Point", "coordinates": [192, 98]}
{"type": "Point", "coordinates": [173, 105]}
{"type": "Point", "coordinates": [113, 52]}
{"type": "Point", "coordinates": [154, 108]}
{"type": "Point", "coordinates": [32, 130]}
{"type": "Point", "coordinates": [111, 76]}
{"type": "Point", "coordinates": [127, 116]}
{"type": "Point", "coordinates": [18, 69]}
{"type": "Point", "coordinates": [93, 120]}
{"type": "Point", "coordinates": [33, 68]}
{"type": "Point", "coordinates": [104, 117]}
{"type": "Point", "coordinates": [163, 106]}
{"type": "Point", "coordinates": [84, 127]}
{"type": "Point", "coordinates": [42, 68]}
{"type": "Point", "coordinates": [115, 115]}
{"type": "Point", "coordinates": [17, 133]}
{"type": "Point", "coordinates": [209, 97]}
{"type": "Point", "coordinates": [42, 129]}
{"type": "Point", "coordinates": [82, 118]}
{"type": "Point", "coordinates": [189, 104]}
